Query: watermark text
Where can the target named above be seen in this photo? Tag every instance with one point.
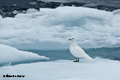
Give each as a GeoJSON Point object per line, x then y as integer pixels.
{"type": "Point", "coordinates": [14, 76]}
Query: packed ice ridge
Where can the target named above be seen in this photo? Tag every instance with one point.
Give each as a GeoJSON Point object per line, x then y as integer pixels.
{"type": "Point", "coordinates": [9, 55]}
{"type": "Point", "coordinates": [40, 29]}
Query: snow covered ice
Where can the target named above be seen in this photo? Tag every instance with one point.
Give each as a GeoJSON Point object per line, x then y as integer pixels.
{"type": "Point", "coordinates": [100, 69]}
{"type": "Point", "coordinates": [39, 29]}
{"type": "Point", "coordinates": [9, 55]}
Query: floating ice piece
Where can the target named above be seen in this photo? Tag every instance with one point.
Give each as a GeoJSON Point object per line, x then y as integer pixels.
{"type": "Point", "coordinates": [10, 55]}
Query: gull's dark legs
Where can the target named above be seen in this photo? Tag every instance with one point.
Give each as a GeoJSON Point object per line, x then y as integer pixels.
{"type": "Point", "coordinates": [77, 60]}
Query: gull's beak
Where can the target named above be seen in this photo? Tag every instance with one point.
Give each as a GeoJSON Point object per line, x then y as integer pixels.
{"type": "Point", "coordinates": [69, 39]}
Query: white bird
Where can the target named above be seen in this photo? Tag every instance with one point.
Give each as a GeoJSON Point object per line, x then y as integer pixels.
{"type": "Point", "coordinates": [77, 51]}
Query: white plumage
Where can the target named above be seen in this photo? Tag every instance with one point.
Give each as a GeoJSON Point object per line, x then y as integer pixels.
{"type": "Point", "coordinates": [77, 51]}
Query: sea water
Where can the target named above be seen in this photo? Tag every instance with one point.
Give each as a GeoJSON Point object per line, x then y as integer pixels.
{"type": "Point", "coordinates": [109, 53]}
{"type": "Point", "coordinates": [54, 55]}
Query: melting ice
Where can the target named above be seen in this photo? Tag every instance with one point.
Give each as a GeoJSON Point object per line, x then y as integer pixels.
{"type": "Point", "coordinates": [40, 29]}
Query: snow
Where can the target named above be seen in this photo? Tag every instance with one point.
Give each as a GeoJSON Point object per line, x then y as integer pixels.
{"type": "Point", "coordinates": [100, 69]}
{"type": "Point", "coordinates": [116, 11]}
{"type": "Point", "coordinates": [32, 10]}
{"type": "Point", "coordinates": [51, 28]}
{"type": "Point", "coordinates": [9, 55]}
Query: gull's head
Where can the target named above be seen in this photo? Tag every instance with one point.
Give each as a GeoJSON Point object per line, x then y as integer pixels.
{"type": "Point", "coordinates": [71, 39]}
